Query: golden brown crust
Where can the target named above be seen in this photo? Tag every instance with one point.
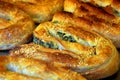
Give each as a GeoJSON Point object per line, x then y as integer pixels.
{"type": "Point", "coordinates": [102, 3]}
{"type": "Point", "coordinates": [31, 69]}
{"type": "Point", "coordinates": [116, 5]}
{"type": "Point", "coordinates": [32, 50]}
{"type": "Point", "coordinates": [16, 27]}
{"type": "Point", "coordinates": [105, 23]}
{"type": "Point", "coordinates": [88, 11]}
{"type": "Point", "coordinates": [113, 4]}
{"type": "Point", "coordinates": [39, 10]}
{"type": "Point", "coordinates": [113, 64]}
{"type": "Point", "coordinates": [13, 76]}
{"type": "Point", "coordinates": [93, 55]}
{"type": "Point", "coordinates": [88, 52]}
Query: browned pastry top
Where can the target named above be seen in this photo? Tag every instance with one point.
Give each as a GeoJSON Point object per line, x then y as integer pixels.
{"type": "Point", "coordinates": [12, 68]}
{"type": "Point", "coordinates": [39, 10]}
{"type": "Point", "coordinates": [87, 43]}
{"type": "Point", "coordinates": [87, 52]}
{"type": "Point", "coordinates": [16, 27]}
{"type": "Point", "coordinates": [87, 10]}
{"type": "Point", "coordinates": [102, 3]}
{"type": "Point", "coordinates": [116, 5]}
{"type": "Point", "coordinates": [93, 18]}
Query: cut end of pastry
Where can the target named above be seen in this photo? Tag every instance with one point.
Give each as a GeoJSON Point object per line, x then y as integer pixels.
{"type": "Point", "coordinates": [95, 59]}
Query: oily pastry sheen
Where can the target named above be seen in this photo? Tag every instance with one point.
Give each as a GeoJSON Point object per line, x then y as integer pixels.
{"type": "Point", "coordinates": [13, 76]}
{"type": "Point", "coordinates": [60, 57]}
{"type": "Point", "coordinates": [112, 6]}
{"type": "Point", "coordinates": [16, 27]}
{"type": "Point", "coordinates": [39, 10]}
{"type": "Point", "coordinates": [102, 3]}
{"type": "Point", "coordinates": [12, 68]}
{"type": "Point", "coordinates": [89, 11]}
{"type": "Point", "coordinates": [116, 7]}
{"type": "Point", "coordinates": [86, 55]}
{"type": "Point", "coordinates": [93, 18]}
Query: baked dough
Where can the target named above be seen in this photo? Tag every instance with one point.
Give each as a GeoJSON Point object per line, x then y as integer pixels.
{"type": "Point", "coordinates": [13, 76]}
{"type": "Point", "coordinates": [12, 68]}
{"type": "Point", "coordinates": [92, 18]}
{"type": "Point", "coordinates": [89, 11]}
{"type": "Point", "coordinates": [87, 53]}
{"type": "Point", "coordinates": [111, 6]}
{"type": "Point", "coordinates": [16, 27]}
{"type": "Point", "coordinates": [101, 3]}
{"type": "Point", "coordinates": [61, 57]}
{"type": "Point", "coordinates": [39, 10]}
{"type": "Point", "coordinates": [116, 7]}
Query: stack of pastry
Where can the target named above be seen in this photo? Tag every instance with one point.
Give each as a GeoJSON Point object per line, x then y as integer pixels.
{"type": "Point", "coordinates": [78, 43]}
{"type": "Point", "coordinates": [39, 10]}
{"type": "Point", "coordinates": [93, 18]}
{"type": "Point", "coordinates": [68, 46]}
{"type": "Point", "coordinates": [17, 19]}
{"type": "Point", "coordinates": [16, 28]}
{"type": "Point", "coordinates": [12, 68]}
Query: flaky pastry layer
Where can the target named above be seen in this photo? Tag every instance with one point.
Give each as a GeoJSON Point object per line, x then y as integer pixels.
{"type": "Point", "coordinates": [16, 27]}
{"type": "Point", "coordinates": [12, 68]}
{"type": "Point", "coordinates": [85, 50]}
{"type": "Point", "coordinates": [93, 18]}
{"type": "Point", "coordinates": [39, 10]}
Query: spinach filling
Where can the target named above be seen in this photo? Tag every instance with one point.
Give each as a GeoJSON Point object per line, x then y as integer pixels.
{"type": "Point", "coordinates": [49, 44]}
{"type": "Point", "coordinates": [66, 38]}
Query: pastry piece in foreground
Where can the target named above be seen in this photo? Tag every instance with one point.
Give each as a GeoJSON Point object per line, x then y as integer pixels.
{"type": "Point", "coordinates": [12, 68]}
{"type": "Point", "coordinates": [63, 58]}
{"type": "Point", "coordinates": [82, 51]}
{"type": "Point", "coordinates": [16, 27]}
{"type": "Point", "coordinates": [13, 76]}
{"type": "Point", "coordinates": [39, 10]}
{"type": "Point", "coordinates": [92, 18]}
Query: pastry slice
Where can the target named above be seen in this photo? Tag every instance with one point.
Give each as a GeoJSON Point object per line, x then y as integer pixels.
{"type": "Point", "coordinates": [89, 11]}
{"type": "Point", "coordinates": [88, 53]}
{"type": "Point", "coordinates": [13, 68]}
{"type": "Point", "coordinates": [42, 37]}
{"type": "Point", "coordinates": [92, 18]}
{"type": "Point", "coordinates": [39, 10]}
{"type": "Point", "coordinates": [16, 27]}
{"type": "Point", "coordinates": [113, 5]}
